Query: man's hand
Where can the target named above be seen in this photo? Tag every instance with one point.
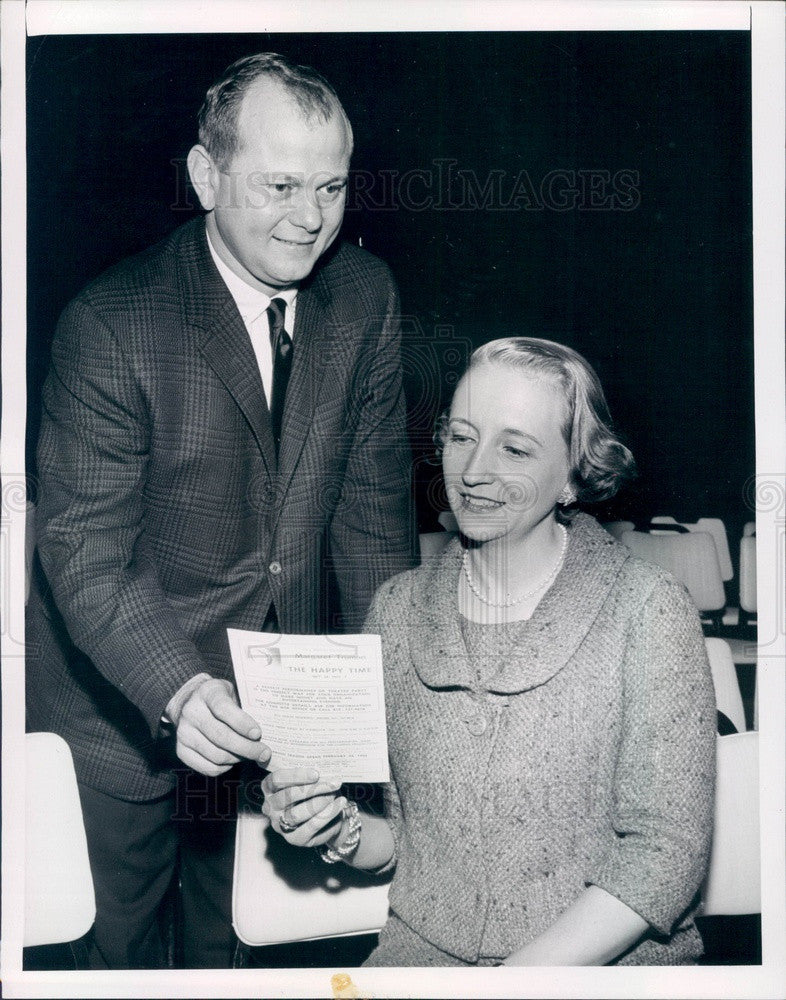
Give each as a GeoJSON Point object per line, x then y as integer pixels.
{"type": "Point", "coordinates": [213, 732]}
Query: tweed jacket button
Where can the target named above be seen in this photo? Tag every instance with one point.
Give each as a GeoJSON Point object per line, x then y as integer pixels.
{"type": "Point", "coordinates": [275, 568]}
{"type": "Point", "coordinates": [477, 724]}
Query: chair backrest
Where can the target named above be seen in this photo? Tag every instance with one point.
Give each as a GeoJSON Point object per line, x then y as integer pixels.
{"type": "Point", "coordinates": [59, 898]}
{"type": "Point", "coordinates": [283, 894]}
{"type": "Point", "coordinates": [433, 542]}
{"type": "Point", "coordinates": [713, 526]}
{"type": "Point", "coordinates": [690, 556]}
{"type": "Point", "coordinates": [618, 528]}
{"type": "Point", "coordinates": [748, 573]}
{"type": "Point", "coordinates": [728, 697]}
{"type": "Point", "coordinates": [733, 883]}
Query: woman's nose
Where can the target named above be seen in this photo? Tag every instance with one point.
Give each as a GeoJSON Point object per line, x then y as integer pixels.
{"type": "Point", "coordinates": [477, 468]}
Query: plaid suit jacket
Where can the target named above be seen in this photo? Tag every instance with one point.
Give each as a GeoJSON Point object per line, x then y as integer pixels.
{"type": "Point", "coordinates": [163, 515]}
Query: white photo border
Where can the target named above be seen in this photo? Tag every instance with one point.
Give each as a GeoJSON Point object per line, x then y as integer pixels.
{"type": "Point", "coordinates": [766, 22]}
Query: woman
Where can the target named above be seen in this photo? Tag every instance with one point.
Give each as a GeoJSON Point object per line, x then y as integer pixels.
{"type": "Point", "coordinates": [551, 716]}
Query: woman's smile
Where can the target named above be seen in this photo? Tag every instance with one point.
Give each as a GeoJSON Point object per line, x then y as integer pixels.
{"type": "Point", "coordinates": [478, 504]}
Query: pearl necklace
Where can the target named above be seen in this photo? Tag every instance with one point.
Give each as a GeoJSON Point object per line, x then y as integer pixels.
{"type": "Point", "coordinates": [509, 601]}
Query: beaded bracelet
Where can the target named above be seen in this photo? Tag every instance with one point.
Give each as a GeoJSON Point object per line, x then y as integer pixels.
{"type": "Point", "coordinates": [340, 852]}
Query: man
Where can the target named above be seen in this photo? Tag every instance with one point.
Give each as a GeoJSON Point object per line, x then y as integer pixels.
{"type": "Point", "coordinates": [223, 435]}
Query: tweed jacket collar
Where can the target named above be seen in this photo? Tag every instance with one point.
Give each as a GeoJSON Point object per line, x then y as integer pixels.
{"type": "Point", "coordinates": [539, 647]}
{"type": "Point", "coordinates": [224, 342]}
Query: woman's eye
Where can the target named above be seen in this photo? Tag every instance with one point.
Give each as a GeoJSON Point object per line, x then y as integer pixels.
{"type": "Point", "coordinates": [460, 439]}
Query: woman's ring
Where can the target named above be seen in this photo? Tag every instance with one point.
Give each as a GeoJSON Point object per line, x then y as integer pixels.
{"type": "Point", "coordinates": [286, 827]}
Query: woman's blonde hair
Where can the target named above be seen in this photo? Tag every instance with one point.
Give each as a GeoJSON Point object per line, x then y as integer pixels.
{"type": "Point", "coordinates": [600, 462]}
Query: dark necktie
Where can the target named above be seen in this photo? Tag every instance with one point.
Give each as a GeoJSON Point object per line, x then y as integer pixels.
{"type": "Point", "coordinates": [281, 343]}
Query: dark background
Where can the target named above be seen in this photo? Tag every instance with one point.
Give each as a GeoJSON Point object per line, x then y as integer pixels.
{"type": "Point", "coordinates": [650, 279]}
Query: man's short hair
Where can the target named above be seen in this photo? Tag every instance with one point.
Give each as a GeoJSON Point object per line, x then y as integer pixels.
{"type": "Point", "coordinates": [219, 113]}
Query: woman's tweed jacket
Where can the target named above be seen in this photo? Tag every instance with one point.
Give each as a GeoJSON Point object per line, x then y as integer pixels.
{"type": "Point", "coordinates": [587, 758]}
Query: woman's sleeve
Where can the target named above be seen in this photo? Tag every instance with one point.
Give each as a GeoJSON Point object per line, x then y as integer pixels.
{"type": "Point", "coordinates": [375, 625]}
{"type": "Point", "coordinates": [664, 782]}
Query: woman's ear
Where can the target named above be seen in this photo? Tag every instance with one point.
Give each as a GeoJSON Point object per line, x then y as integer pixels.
{"type": "Point", "coordinates": [204, 176]}
{"type": "Point", "coordinates": [567, 496]}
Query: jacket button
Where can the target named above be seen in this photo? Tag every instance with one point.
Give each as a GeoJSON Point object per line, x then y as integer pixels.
{"type": "Point", "coordinates": [275, 568]}
{"type": "Point", "coordinates": [477, 725]}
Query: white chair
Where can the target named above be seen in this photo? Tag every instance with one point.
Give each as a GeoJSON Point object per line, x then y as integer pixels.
{"type": "Point", "coordinates": [283, 894]}
{"type": "Point", "coordinates": [733, 883]}
{"type": "Point", "coordinates": [748, 574]}
{"type": "Point", "coordinates": [713, 526]}
{"type": "Point", "coordinates": [724, 678]}
{"type": "Point", "coordinates": [748, 599]}
{"type": "Point", "coordinates": [744, 648]}
{"type": "Point", "coordinates": [691, 557]}
{"type": "Point", "coordinates": [59, 898]}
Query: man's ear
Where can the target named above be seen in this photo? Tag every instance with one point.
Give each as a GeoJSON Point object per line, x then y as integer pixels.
{"type": "Point", "coordinates": [204, 176]}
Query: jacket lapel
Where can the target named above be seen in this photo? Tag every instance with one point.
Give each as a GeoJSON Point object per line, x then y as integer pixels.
{"type": "Point", "coordinates": [223, 338]}
{"type": "Point", "coordinates": [538, 648]}
{"type": "Point", "coordinates": [227, 349]}
{"type": "Point", "coordinates": [543, 645]}
{"type": "Point", "coordinates": [314, 328]}
{"type": "Point", "coordinates": [439, 653]}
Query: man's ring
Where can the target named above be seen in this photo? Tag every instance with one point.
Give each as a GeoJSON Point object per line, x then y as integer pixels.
{"type": "Point", "coordinates": [286, 827]}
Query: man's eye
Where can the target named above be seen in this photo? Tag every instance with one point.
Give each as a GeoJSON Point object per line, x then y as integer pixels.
{"type": "Point", "coordinates": [330, 192]}
{"type": "Point", "coordinates": [515, 452]}
{"type": "Point", "coordinates": [282, 187]}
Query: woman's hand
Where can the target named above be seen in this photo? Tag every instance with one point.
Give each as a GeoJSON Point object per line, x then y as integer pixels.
{"type": "Point", "coordinates": [312, 815]}
{"type": "Point", "coordinates": [305, 811]}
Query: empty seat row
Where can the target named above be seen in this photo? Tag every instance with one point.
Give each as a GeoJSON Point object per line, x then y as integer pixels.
{"type": "Point", "coordinates": [698, 554]}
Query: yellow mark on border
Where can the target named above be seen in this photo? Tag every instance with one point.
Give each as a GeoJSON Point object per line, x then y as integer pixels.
{"type": "Point", "coordinates": [343, 987]}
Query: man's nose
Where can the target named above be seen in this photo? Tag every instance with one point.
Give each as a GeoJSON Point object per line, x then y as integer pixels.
{"type": "Point", "coordinates": [305, 212]}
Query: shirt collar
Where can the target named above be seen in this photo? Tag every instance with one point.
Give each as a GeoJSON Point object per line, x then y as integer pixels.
{"type": "Point", "coordinates": [250, 301]}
